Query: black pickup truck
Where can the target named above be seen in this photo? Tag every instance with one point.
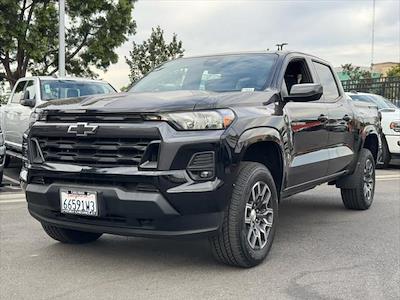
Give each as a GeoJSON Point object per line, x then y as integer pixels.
{"type": "Point", "coordinates": [200, 146]}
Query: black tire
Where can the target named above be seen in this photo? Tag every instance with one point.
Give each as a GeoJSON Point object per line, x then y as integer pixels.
{"type": "Point", "coordinates": [1, 177]}
{"type": "Point", "coordinates": [231, 245]}
{"type": "Point", "coordinates": [385, 155]}
{"type": "Point", "coordinates": [69, 236]}
{"type": "Point", "coordinates": [7, 161]}
{"type": "Point", "coordinates": [355, 197]}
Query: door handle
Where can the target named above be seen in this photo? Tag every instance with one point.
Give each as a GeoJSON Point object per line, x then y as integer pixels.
{"type": "Point", "coordinates": [323, 118]}
{"type": "Point", "coordinates": [346, 118]}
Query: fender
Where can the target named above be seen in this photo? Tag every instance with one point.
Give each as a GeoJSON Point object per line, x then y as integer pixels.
{"type": "Point", "coordinates": [257, 135]}
{"type": "Point", "coordinates": [372, 130]}
{"type": "Point", "coordinates": [368, 130]}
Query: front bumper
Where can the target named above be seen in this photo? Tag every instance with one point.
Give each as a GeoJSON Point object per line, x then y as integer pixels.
{"type": "Point", "coordinates": [121, 212]}
{"type": "Point", "coordinates": [393, 142]}
{"type": "Point", "coordinates": [162, 202]}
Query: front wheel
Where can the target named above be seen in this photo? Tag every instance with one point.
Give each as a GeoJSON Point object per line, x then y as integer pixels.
{"type": "Point", "coordinates": [69, 236]}
{"type": "Point", "coordinates": [7, 160]}
{"type": "Point", "coordinates": [250, 221]}
{"type": "Point", "coordinates": [361, 195]}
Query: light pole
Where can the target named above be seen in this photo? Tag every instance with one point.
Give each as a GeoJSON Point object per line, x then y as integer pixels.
{"type": "Point", "coordinates": [373, 35]}
{"type": "Point", "coordinates": [61, 37]}
{"type": "Point", "coordinates": [280, 46]}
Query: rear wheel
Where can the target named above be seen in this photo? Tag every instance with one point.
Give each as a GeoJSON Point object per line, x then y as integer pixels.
{"type": "Point", "coordinates": [361, 195]}
{"type": "Point", "coordinates": [250, 221]}
{"type": "Point", "coordinates": [69, 236]}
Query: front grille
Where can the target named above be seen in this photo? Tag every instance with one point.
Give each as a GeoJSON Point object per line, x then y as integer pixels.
{"type": "Point", "coordinates": [90, 117]}
{"type": "Point", "coordinates": [93, 151]}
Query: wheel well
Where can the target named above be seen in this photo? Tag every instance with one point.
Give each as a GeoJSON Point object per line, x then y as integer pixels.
{"type": "Point", "coordinates": [371, 143]}
{"type": "Point", "coordinates": [268, 154]}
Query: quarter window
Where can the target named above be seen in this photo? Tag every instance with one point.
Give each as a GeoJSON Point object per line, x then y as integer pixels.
{"type": "Point", "coordinates": [327, 80]}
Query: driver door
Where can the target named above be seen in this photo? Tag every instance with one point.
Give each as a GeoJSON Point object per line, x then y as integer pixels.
{"type": "Point", "coordinates": [307, 131]}
{"type": "Point", "coordinates": [24, 112]}
{"type": "Point", "coordinates": [11, 115]}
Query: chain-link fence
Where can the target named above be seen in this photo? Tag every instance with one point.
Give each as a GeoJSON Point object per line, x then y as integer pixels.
{"type": "Point", "coordinates": [388, 87]}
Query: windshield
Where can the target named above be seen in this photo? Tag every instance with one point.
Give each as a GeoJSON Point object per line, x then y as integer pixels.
{"type": "Point", "coordinates": [60, 89]}
{"type": "Point", "coordinates": [227, 73]}
{"type": "Point", "coordinates": [379, 101]}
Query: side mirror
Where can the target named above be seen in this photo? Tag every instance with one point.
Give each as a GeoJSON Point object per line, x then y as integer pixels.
{"type": "Point", "coordinates": [305, 92]}
{"type": "Point", "coordinates": [28, 102]}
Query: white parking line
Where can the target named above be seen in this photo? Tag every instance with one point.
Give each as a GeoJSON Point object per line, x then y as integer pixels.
{"type": "Point", "coordinates": [388, 175]}
{"type": "Point", "coordinates": [12, 201]}
{"type": "Point", "coordinates": [11, 179]}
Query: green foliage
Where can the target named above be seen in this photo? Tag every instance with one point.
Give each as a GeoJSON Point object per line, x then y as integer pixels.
{"type": "Point", "coordinates": [394, 71]}
{"type": "Point", "coordinates": [355, 73]}
{"type": "Point", "coordinates": [29, 35]}
{"type": "Point", "coordinates": [151, 53]}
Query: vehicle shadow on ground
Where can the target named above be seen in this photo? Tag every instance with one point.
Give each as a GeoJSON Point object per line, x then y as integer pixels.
{"type": "Point", "coordinates": [180, 253]}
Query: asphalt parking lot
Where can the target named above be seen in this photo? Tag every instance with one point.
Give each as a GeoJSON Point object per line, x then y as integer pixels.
{"type": "Point", "coordinates": [321, 251]}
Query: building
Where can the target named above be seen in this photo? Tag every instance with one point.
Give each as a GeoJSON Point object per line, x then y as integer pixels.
{"type": "Point", "coordinates": [383, 67]}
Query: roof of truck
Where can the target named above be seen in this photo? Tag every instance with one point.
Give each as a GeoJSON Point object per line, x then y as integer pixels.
{"type": "Point", "coordinates": [280, 53]}
{"type": "Point", "coordinates": [62, 78]}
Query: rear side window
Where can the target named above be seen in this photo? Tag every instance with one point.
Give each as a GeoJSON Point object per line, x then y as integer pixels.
{"type": "Point", "coordinates": [19, 92]}
{"type": "Point", "coordinates": [324, 72]}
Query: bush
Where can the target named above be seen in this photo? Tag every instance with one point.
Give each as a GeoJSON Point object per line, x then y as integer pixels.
{"type": "Point", "coordinates": [4, 98]}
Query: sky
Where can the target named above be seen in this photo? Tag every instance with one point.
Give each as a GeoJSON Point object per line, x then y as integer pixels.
{"type": "Point", "coordinates": [339, 31]}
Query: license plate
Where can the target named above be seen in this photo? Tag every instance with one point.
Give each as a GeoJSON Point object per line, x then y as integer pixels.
{"type": "Point", "coordinates": [78, 202]}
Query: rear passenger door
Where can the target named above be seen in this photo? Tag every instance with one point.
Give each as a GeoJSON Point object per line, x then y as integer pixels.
{"type": "Point", "coordinates": [339, 125]}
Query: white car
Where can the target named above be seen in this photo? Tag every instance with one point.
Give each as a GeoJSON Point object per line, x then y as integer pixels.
{"type": "Point", "coordinates": [390, 124]}
{"type": "Point", "coordinates": [30, 92]}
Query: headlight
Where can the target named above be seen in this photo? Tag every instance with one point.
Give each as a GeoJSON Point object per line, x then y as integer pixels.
{"type": "Point", "coordinates": [36, 115]}
{"type": "Point", "coordinates": [395, 126]}
{"type": "Point", "coordinates": [198, 120]}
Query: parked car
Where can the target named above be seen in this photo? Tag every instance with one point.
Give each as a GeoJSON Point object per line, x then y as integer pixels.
{"type": "Point", "coordinates": [30, 92]}
{"type": "Point", "coordinates": [201, 146]}
{"type": "Point", "coordinates": [2, 155]}
{"type": "Point", "coordinates": [390, 124]}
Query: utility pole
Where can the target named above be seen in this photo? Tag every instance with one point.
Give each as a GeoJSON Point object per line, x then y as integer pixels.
{"type": "Point", "coordinates": [280, 46]}
{"type": "Point", "coordinates": [373, 34]}
{"type": "Point", "coordinates": [61, 37]}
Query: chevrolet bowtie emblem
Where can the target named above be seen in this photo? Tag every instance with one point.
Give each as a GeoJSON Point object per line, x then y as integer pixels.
{"type": "Point", "coordinates": [82, 129]}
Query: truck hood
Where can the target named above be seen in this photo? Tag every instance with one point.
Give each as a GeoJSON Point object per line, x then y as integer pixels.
{"type": "Point", "coordinates": [159, 101]}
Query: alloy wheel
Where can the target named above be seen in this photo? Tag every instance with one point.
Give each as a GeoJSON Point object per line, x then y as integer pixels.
{"type": "Point", "coordinates": [259, 215]}
{"type": "Point", "coordinates": [369, 180]}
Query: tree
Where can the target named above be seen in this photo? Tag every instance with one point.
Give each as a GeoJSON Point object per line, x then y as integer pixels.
{"type": "Point", "coordinates": [29, 35]}
{"type": "Point", "coordinates": [394, 71]}
{"type": "Point", "coordinates": [355, 73]}
{"type": "Point", "coordinates": [151, 53]}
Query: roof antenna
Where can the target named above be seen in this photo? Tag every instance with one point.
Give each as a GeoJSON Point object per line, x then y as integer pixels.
{"type": "Point", "coordinates": [280, 46]}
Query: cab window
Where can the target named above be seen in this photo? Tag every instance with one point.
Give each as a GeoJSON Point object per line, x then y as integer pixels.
{"type": "Point", "coordinates": [297, 72]}
{"type": "Point", "coordinates": [19, 92]}
{"type": "Point", "coordinates": [327, 80]}
{"type": "Point", "coordinates": [30, 91]}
